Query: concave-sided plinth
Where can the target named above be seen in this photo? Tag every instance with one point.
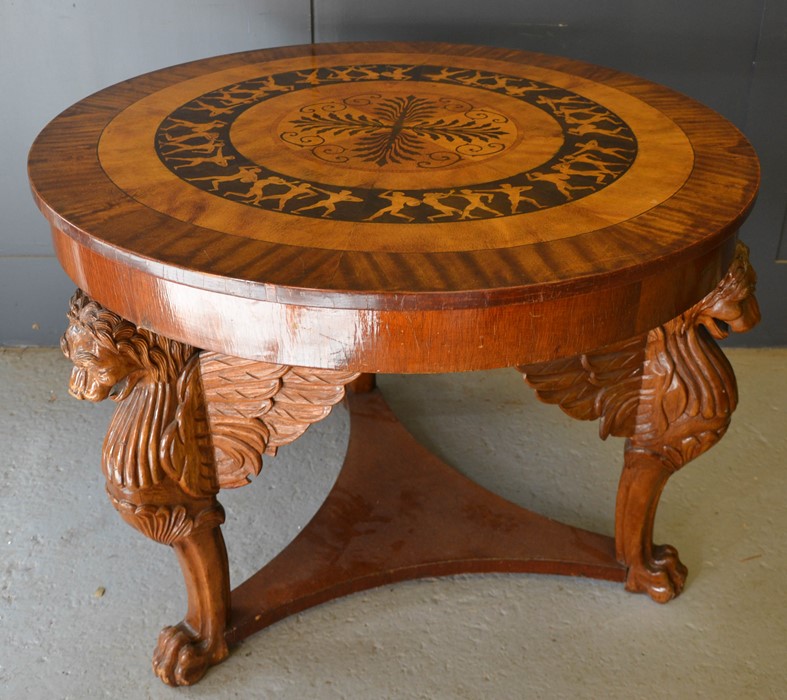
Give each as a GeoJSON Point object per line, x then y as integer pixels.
{"type": "Point", "coordinates": [397, 512]}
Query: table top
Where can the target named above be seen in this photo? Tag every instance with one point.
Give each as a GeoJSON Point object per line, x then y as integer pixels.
{"type": "Point", "coordinates": [382, 178]}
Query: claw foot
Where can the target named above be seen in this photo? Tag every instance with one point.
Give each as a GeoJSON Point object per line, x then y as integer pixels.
{"type": "Point", "coordinates": [182, 656]}
{"type": "Point", "coordinates": [662, 578]}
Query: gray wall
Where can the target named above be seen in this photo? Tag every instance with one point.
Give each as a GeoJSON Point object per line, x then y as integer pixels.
{"type": "Point", "coordinates": [730, 54]}
{"type": "Point", "coordinates": [53, 53]}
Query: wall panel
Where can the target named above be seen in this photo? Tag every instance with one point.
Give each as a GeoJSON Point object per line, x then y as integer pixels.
{"type": "Point", "coordinates": [53, 53]}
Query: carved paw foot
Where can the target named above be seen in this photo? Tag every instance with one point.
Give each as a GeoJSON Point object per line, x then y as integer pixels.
{"type": "Point", "coordinates": [182, 657]}
{"type": "Point", "coordinates": [662, 578]}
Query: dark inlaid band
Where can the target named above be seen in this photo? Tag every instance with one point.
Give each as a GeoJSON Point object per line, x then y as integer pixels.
{"type": "Point", "coordinates": [369, 130]}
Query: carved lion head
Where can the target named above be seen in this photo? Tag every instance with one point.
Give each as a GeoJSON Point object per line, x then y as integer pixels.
{"type": "Point", "coordinates": [109, 352]}
{"type": "Point", "coordinates": [733, 301]}
{"type": "Point", "coordinates": [91, 342]}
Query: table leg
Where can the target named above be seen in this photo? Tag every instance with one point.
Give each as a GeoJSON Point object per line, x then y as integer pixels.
{"type": "Point", "coordinates": [158, 466]}
{"type": "Point", "coordinates": [671, 392]}
{"type": "Point", "coordinates": [363, 384]}
{"type": "Point", "coordinates": [187, 423]}
{"type": "Point", "coordinates": [186, 650]}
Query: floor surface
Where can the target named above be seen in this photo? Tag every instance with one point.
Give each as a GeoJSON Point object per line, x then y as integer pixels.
{"type": "Point", "coordinates": [82, 596]}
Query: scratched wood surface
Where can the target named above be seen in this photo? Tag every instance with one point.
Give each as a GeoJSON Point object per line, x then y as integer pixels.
{"type": "Point", "coordinates": [394, 207]}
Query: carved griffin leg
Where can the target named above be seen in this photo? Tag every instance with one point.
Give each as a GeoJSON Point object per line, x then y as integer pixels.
{"type": "Point", "coordinates": [158, 462]}
{"type": "Point", "coordinates": [187, 423]}
{"type": "Point", "coordinates": [671, 392]}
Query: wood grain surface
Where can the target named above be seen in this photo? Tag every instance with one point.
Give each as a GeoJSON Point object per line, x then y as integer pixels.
{"type": "Point", "coordinates": [253, 231]}
{"type": "Point", "coordinates": [394, 207]}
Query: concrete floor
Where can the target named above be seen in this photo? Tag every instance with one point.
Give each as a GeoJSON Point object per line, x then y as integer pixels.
{"type": "Point", "coordinates": [82, 596]}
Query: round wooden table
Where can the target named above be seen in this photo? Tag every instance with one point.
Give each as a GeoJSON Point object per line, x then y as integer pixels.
{"type": "Point", "coordinates": [255, 232]}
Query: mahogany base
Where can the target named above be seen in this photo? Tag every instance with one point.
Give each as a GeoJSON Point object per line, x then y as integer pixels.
{"type": "Point", "coordinates": [397, 512]}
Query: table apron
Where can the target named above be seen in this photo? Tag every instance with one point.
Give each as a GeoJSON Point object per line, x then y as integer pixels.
{"type": "Point", "coordinates": [392, 341]}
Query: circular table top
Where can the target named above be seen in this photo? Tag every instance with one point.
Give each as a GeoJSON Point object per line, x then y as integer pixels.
{"type": "Point", "coordinates": [395, 178]}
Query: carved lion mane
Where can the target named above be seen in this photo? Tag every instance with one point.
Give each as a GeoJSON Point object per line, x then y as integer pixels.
{"type": "Point", "coordinates": [106, 349]}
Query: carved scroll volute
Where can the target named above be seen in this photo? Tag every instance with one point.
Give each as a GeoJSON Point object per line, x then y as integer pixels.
{"type": "Point", "coordinates": [671, 392]}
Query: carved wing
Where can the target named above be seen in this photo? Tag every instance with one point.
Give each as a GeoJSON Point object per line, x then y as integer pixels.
{"type": "Point", "coordinates": [255, 407]}
{"type": "Point", "coordinates": [306, 396]}
{"type": "Point", "coordinates": [604, 384]}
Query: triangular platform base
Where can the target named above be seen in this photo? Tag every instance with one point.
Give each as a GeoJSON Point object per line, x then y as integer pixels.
{"type": "Point", "coordinates": [397, 512]}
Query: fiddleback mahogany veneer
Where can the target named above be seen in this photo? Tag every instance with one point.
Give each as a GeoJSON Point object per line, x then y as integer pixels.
{"type": "Point", "coordinates": [254, 233]}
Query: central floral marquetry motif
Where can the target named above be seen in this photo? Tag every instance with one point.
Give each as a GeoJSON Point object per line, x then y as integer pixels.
{"type": "Point", "coordinates": [398, 131]}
